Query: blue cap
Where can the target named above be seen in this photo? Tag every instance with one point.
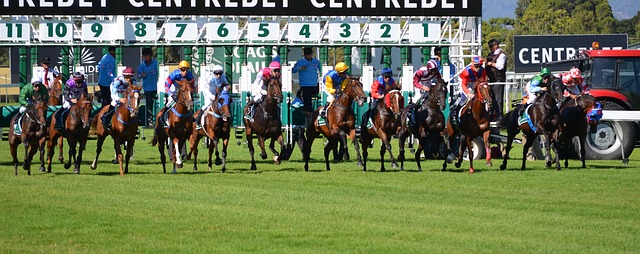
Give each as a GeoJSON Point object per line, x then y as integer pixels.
{"type": "Point", "coordinates": [387, 72]}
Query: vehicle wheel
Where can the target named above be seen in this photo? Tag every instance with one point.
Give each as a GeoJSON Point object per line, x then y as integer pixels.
{"type": "Point", "coordinates": [478, 150]}
{"type": "Point", "coordinates": [605, 143]}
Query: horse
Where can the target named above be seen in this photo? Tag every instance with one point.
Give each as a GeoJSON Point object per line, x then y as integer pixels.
{"type": "Point", "coordinates": [544, 119]}
{"type": "Point", "coordinates": [574, 123]}
{"type": "Point", "coordinates": [474, 122]}
{"type": "Point", "coordinates": [55, 92]}
{"type": "Point", "coordinates": [429, 125]}
{"type": "Point", "coordinates": [76, 130]}
{"type": "Point", "coordinates": [33, 134]}
{"type": "Point", "coordinates": [340, 117]}
{"type": "Point", "coordinates": [124, 127]}
{"type": "Point", "coordinates": [216, 125]}
{"type": "Point", "coordinates": [267, 124]}
{"type": "Point", "coordinates": [386, 122]}
{"type": "Point", "coordinates": [179, 129]}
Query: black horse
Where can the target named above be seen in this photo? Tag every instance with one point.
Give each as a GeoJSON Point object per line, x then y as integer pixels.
{"type": "Point", "coordinates": [574, 123]}
{"type": "Point", "coordinates": [543, 119]}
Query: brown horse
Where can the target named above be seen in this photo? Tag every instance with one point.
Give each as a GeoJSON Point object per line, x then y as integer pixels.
{"type": "Point", "coordinates": [217, 125]}
{"type": "Point", "coordinates": [179, 128]}
{"type": "Point", "coordinates": [55, 92]}
{"type": "Point", "coordinates": [429, 124]}
{"type": "Point", "coordinates": [124, 127]}
{"type": "Point", "coordinates": [33, 136]}
{"type": "Point", "coordinates": [544, 117]}
{"type": "Point", "coordinates": [76, 130]}
{"type": "Point", "coordinates": [386, 122]}
{"type": "Point", "coordinates": [474, 122]}
{"type": "Point", "coordinates": [574, 123]}
{"type": "Point", "coordinates": [267, 123]}
{"type": "Point", "coordinates": [340, 117]}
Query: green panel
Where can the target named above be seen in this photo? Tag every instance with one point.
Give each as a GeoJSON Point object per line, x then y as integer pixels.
{"type": "Point", "coordinates": [286, 109]}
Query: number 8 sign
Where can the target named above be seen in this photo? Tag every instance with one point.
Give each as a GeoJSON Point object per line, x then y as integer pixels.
{"type": "Point", "coordinates": [136, 30]}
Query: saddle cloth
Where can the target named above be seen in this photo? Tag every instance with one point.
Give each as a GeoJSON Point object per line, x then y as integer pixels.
{"type": "Point", "coordinates": [525, 118]}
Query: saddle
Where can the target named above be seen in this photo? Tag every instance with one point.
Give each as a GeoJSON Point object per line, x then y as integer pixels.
{"type": "Point", "coordinates": [17, 126]}
{"type": "Point", "coordinates": [61, 117]}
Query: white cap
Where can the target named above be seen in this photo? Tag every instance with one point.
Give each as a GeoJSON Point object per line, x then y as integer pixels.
{"type": "Point", "coordinates": [36, 79]}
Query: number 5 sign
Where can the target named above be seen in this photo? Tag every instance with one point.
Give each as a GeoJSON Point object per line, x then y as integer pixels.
{"type": "Point", "coordinates": [264, 31]}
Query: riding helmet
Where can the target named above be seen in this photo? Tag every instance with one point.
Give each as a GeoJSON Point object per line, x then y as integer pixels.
{"type": "Point", "coordinates": [46, 60]}
{"type": "Point", "coordinates": [36, 81]}
{"type": "Point", "coordinates": [387, 72]}
{"type": "Point", "coordinates": [127, 71]}
{"type": "Point", "coordinates": [341, 67]}
{"type": "Point", "coordinates": [274, 65]}
{"type": "Point", "coordinates": [78, 76]}
{"type": "Point", "coordinates": [184, 64]}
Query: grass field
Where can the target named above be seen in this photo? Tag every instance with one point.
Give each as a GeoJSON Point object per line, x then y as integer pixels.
{"type": "Point", "coordinates": [282, 209]}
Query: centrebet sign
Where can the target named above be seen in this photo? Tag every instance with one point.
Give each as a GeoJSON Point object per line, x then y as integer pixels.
{"type": "Point", "coordinates": [245, 7]}
{"type": "Point", "coordinates": [532, 51]}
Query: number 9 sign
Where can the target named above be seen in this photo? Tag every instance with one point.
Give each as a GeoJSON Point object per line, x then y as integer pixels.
{"type": "Point", "coordinates": [97, 31]}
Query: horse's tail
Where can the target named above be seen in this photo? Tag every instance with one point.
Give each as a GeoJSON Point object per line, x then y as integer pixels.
{"type": "Point", "coordinates": [508, 118]}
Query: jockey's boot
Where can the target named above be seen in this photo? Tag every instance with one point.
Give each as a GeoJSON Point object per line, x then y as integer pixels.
{"type": "Point", "coordinates": [60, 119]}
{"type": "Point", "coordinates": [198, 118]}
{"type": "Point", "coordinates": [106, 118]}
{"type": "Point", "coordinates": [164, 118]}
{"type": "Point", "coordinates": [455, 119]}
{"type": "Point", "coordinates": [323, 111]}
{"type": "Point", "coordinates": [248, 114]}
{"type": "Point", "coordinates": [15, 121]}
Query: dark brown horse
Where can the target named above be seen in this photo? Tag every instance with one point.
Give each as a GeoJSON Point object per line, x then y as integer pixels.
{"type": "Point", "coordinates": [267, 124]}
{"type": "Point", "coordinates": [474, 122]}
{"type": "Point", "coordinates": [340, 117]}
{"type": "Point", "coordinates": [76, 130]}
{"type": "Point", "coordinates": [55, 92]}
{"type": "Point", "coordinates": [179, 129]}
{"type": "Point", "coordinates": [574, 123]}
{"type": "Point", "coordinates": [544, 117]}
{"type": "Point", "coordinates": [124, 127]}
{"type": "Point", "coordinates": [216, 126]}
{"type": "Point", "coordinates": [429, 124]}
{"type": "Point", "coordinates": [386, 122]}
{"type": "Point", "coordinates": [33, 134]}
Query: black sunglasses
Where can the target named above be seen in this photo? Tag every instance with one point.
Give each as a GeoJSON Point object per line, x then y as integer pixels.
{"type": "Point", "coordinates": [276, 70]}
{"type": "Point", "coordinates": [217, 73]}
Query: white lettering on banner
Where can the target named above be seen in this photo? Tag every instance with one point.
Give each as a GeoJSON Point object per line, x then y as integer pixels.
{"type": "Point", "coordinates": [395, 4]}
{"type": "Point", "coordinates": [44, 3]}
{"type": "Point", "coordinates": [63, 3]}
{"type": "Point", "coordinates": [545, 55]}
{"type": "Point", "coordinates": [54, 3]}
{"type": "Point", "coordinates": [207, 3]}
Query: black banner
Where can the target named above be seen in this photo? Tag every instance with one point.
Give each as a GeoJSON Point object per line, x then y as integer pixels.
{"type": "Point", "coordinates": [531, 52]}
{"type": "Point", "coordinates": [245, 7]}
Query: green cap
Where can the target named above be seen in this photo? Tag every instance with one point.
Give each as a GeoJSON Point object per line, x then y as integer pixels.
{"type": "Point", "coordinates": [545, 71]}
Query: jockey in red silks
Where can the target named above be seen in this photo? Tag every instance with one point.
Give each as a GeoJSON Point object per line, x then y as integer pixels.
{"type": "Point", "coordinates": [470, 76]}
{"type": "Point", "coordinates": [379, 89]}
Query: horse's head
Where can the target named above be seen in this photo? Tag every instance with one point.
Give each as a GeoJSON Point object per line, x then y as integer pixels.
{"type": "Point", "coordinates": [184, 94]}
{"type": "Point", "coordinates": [439, 93]}
{"type": "Point", "coordinates": [555, 89]}
{"type": "Point", "coordinates": [354, 90]}
{"type": "Point", "coordinates": [274, 90]}
{"type": "Point", "coordinates": [37, 110]}
{"type": "Point", "coordinates": [483, 94]}
{"type": "Point", "coordinates": [222, 106]}
{"type": "Point", "coordinates": [83, 109]}
{"type": "Point", "coordinates": [133, 99]}
{"type": "Point", "coordinates": [395, 102]}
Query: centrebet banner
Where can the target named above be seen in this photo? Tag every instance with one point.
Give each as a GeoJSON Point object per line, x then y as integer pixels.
{"type": "Point", "coordinates": [533, 51]}
{"type": "Point", "coordinates": [245, 7]}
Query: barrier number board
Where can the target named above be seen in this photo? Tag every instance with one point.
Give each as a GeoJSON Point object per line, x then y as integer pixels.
{"type": "Point", "coordinates": [97, 30]}
{"type": "Point", "coordinates": [384, 32]}
{"type": "Point", "coordinates": [15, 31]}
{"type": "Point", "coordinates": [58, 30]}
{"type": "Point", "coordinates": [301, 32]}
{"type": "Point", "coordinates": [181, 31]}
{"type": "Point", "coordinates": [221, 31]}
{"type": "Point", "coordinates": [344, 31]}
{"type": "Point", "coordinates": [264, 31]}
{"type": "Point", "coordinates": [425, 31]}
{"type": "Point", "coordinates": [137, 30]}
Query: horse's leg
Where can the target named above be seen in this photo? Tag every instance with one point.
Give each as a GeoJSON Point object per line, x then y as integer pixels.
{"type": "Point", "coordinates": [555, 144]}
{"type": "Point", "coordinates": [354, 140]}
{"type": "Point", "coordinates": [218, 161]}
{"type": "Point", "coordinates": [510, 137]}
{"type": "Point", "coordinates": [547, 143]}
{"type": "Point", "coordinates": [526, 147]}
{"type": "Point", "coordinates": [129, 147]}
{"type": "Point", "coordinates": [582, 139]}
{"type": "Point", "coordinates": [71, 141]}
{"type": "Point", "coordinates": [33, 149]}
{"type": "Point", "coordinates": [306, 151]}
{"type": "Point", "coordinates": [117, 143]}
{"type": "Point", "coordinates": [249, 137]}
{"type": "Point", "coordinates": [211, 147]}
{"type": "Point", "coordinates": [365, 137]}
{"type": "Point", "coordinates": [194, 141]}
{"type": "Point", "coordinates": [487, 147]}
{"type": "Point", "coordinates": [82, 145]}
{"type": "Point", "coordinates": [14, 154]}
{"type": "Point", "coordinates": [402, 136]}
{"type": "Point", "coordinates": [469, 141]}
{"type": "Point", "coordinates": [416, 155]}
{"type": "Point", "coordinates": [51, 146]}
{"type": "Point", "coordinates": [382, 151]}
{"type": "Point", "coordinates": [283, 150]}
{"type": "Point", "coordinates": [162, 142]}
{"type": "Point", "coordinates": [387, 145]}
{"type": "Point", "coordinates": [41, 145]}
{"type": "Point", "coordinates": [263, 153]}
{"type": "Point", "coordinates": [333, 142]}
{"type": "Point", "coordinates": [344, 148]}
{"type": "Point", "coordinates": [225, 143]}
{"type": "Point", "coordinates": [101, 139]}
{"type": "Point", "coordinates": [60, 146]}
{"type": "Point", "coordinates": [180, 151]}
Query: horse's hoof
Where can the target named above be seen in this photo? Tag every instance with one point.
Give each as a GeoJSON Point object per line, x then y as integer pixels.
{"type": "Point", "coordinates": [458, 164]}
{"type": "Point", "coordinates": [61, 159]}
{"type": "Point", "coordinates": [503, 167]}
{"type": "Point", "coordinates": [419, 169]}
{"type": "Point", "coordinates": [275, 158]}
{"type": "Point", "coordinates": [263, 156]}
{"type": "Point", "coordinates": [224, 169]}
{"type": "Point", "coordinates": [67, 166]}
{"type": "Point", "coordinates": [115, 161]}
{"type": "Point", "coordinates": [218, 162]}
{"type": "Point", "coordinates": [383, 169]}
{"type": "Point", "coordinates": [471, 171]}
{"type": "Point", "coordinates": [195, 169]}
{"type": "Point", "coordinates": [489, 164]}
{"type": "Point", "coordinates": [42, 169]}
{"type": "Point", "coordinates": [93, 166]}
{"type": "Point", "coordinates": [548, 164]}
{"type": "Point", "coordinates": [76, 170]}
{"type": "Point", "coordinates": [253, 167]}
{"type": "Point", "coordinates": [360, 164]}
{"type": "Point", "coordinates": [394, 165]}
{"type": "Point", "coordinates": [180, 165]}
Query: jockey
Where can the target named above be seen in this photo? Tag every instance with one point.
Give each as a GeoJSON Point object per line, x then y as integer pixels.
{"type": "Point", "coordinates": [573, 83]}
{"type": "Point", "coordinates": [118, 88]}
{"type": "Point", "coordinates": [73, 89]}
{"type": "Point", "coordinates": [170, 88]}
{"type": "Point", "coordinates": [379, 89]}
{"type": "Point", "coordinates": [27, 93]}
{"type": "Point", "coordinates": [424, 76]}
{"type": "Point", "coordinates": [536, 84]}
{"type": "Point", "coordinates": [469, 76]}
{"type": "Point", "coordinates": [334, 81]}
{"type": "Point", "coordinates": [217, 83]}
{"type": "Point", "coordinates": [259, 88]}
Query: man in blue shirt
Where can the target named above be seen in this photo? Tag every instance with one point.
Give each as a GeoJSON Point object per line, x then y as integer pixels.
{"type": "Point", "coordinates": [148, 74]}
{"type": "Point", "coordinates": [107, 72]}
{"type": "Point", "coordinates": [307, 69]}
